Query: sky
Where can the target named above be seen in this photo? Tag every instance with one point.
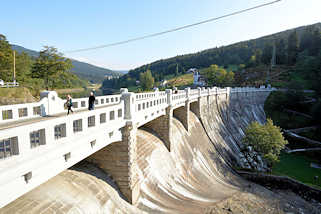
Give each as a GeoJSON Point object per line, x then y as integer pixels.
{"type": "Point", "coordinates": [75, 24]}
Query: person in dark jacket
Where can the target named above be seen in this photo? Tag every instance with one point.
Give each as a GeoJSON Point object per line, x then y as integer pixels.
{"type": "Point", "coordinates": [91, 105]}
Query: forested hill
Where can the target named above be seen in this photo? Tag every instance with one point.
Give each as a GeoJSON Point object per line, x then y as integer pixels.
{"type": "Point", "coordinates": [81, 69]}
{"type": "Point", "coordinates": [245, 52]}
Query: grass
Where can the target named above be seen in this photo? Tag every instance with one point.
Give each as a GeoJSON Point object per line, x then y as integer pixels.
{"type": "Point", "coordinates": [69, 90]}
{"type": "Point", "coordinates": [298, 167]}
{"type": "Point", "coordinates": [288, 120]}
{"type": "Point", "coordinates": [312, 134]}
{"type": "Point", "coordinates": [232, 67]}
{"type": "Point", "coordinates": [19, 92]}
{"type": "Point", "coordinates": [133, 88]}
{"type": "Point", "coordinates": [80, 94]}
{"type": "Point", "coordinates": [183, 80]}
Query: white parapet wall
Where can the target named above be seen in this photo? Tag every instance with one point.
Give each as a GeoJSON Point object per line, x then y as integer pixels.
{"type": "Point", "coordinates": [49, 104]}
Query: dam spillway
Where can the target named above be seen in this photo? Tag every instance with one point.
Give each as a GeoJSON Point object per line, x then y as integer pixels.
{"type": "Point", "coordinates": [192, 178]}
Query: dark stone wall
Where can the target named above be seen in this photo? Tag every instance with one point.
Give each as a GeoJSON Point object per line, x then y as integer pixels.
{"type": "Point", "coordinates": [283, 183]}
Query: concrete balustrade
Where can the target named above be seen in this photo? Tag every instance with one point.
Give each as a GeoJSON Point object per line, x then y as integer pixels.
{"type": "Point", "coordinates": [49, 106]}
{"type": "Point", "coordinates": [148, 109]}
{"type": "Point", "coordinates": [82, 103]}
{"type": "Point", "coordinates": [10, 113]}
{"type": "Point", "coordinates": [33, 152]}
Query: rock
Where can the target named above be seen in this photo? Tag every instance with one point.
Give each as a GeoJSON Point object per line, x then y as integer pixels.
{"type": "Point", "coordinates": [249, 148]}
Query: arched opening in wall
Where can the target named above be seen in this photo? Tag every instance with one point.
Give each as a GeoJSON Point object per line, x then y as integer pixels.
{"type": "Point", "coordinates": [196, 108]}
{"type": "Point", "coordinates": [161, 127]}
{"type": "Point", "coordinates": [182, 114]}
{"type": "Point", "coordinates": [91, 168]}
{"type": "Point", "coordinates": [113, 160]}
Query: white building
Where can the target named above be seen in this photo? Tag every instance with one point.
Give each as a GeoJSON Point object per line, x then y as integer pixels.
{"type": "Point", "coordinates": [192, 70]}
{"type": "Point", "coordinates": [197, 79]}
{"type": "Point", "coordinates": [163, 83]}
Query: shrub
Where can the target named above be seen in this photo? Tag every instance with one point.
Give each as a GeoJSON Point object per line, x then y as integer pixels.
{"type": "Point", "coordinates": [266, 139]}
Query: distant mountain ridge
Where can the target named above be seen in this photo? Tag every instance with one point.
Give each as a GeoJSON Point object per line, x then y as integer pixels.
{"type": "Point", "coordinates": [83, 70]}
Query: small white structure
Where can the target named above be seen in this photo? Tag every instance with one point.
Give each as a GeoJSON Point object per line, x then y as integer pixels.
{"type": "Point", "coordinates": [163, 83]}
{"type": "Point", "coordinates": [8, 84]}
{"type": "Point", "coordinates": [192, 70]}
{"type": "Point", "coordinates": [197, 79]}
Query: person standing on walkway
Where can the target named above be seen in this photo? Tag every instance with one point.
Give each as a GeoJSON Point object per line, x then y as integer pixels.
{"type": "Point", "coordinates": [69, 104]}
{"type": "Point", "coordinates": [92, 99]}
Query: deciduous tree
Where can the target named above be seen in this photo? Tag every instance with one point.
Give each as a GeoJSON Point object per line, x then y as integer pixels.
{"type": "Point", "coordinates": [50, 63]}
{"type": "Point", "coordinates": [265, 139]}
{"type": "Point", "coordinates": [219, 76]}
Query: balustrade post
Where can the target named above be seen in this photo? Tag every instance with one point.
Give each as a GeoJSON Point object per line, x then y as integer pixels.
{"type": "Point", "coordinates": [123, 90]}
{"type": "Point", "coordinates": [187, 91]}
{"type": "Point", "coordinates": [169, 96]}
{"type": "Point", "coordinates": [54, 105]}
{"type": "Point", "coordinates": [129, 99]}
{"type": "Point", "coordinates": [228, 93]}
{"type": "Point", "coordinates": [199, 92]}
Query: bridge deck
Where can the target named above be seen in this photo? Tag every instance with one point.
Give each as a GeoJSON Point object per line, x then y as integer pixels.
{"type": "Point", "coordinates": [24, 122]}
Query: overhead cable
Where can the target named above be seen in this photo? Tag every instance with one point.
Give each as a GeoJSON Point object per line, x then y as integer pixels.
{"type": "Point", "coordinates": [171, 30]}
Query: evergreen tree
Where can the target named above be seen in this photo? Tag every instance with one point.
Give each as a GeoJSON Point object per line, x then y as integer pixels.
{"type": "Point", "coordinates": [146, 80]}
{"type": "Point", "coordinates": [176, 71]}
{"type": "Point", "coordinates": [267, 53]}
{"type": "Point", "coordinates": [23, 67]}
{"type": "Point", "coordinates": [6, 59]}
{"type": "Point", "coordinates": [293, 48]}
{"type": "Point", "coordinates": [280, 52]}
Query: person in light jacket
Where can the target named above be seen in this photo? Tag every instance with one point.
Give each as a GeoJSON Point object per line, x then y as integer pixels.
{"type": "Point", "coordinates": [69, 104]}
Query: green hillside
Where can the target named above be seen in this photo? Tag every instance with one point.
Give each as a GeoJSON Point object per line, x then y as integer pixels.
{"type": "Point", "coordinates": [296, 56]}
{"type": "Point", "coordinates": [238, 53]}
{"type": "Point", "coordinates": [83, 70]}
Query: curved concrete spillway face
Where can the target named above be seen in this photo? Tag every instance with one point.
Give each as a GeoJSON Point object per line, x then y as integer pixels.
{"type": "Point", "coordinates": [72, 192]}
{"type": "Point", "coordinates": [189, 179]}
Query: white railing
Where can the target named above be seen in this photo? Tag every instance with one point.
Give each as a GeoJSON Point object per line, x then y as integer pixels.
{"type": "Point", "coordinates": [179, 98]}
{"type": "Point", "coordinates": [147, 95]}
{"type": "Point", "coordinates": [147, 109]}
{"type": "Point", "coordinates": [9, 84]}
{"type": "Point", "coordinates": [82, 103]}
{"type": "Point", "coordinates": [193, 94]}
{"type": "Point", "coordinates": [10, 113]}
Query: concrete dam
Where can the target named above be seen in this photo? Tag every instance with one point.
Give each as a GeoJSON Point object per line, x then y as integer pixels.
{"type": "Point", "coordinates": [175, 160]}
